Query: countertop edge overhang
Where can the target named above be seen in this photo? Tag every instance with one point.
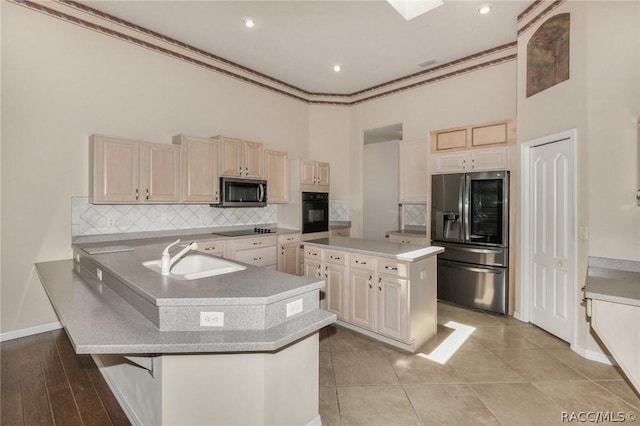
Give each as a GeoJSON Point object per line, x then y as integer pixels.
{"type": "Point", "coordinates": [396, 251]}
{"type": "Point", "coordinates": [613, 280]}
{"type": "Point", "coordinates": [98, 321]}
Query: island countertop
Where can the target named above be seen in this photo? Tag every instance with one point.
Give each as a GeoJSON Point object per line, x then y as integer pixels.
{"type": "Point", "coordinates": [398, 251]}
{"type": "Point", "coordinates": [613, 280]}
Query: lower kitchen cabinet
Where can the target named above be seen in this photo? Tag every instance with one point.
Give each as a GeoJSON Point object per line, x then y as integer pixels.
{"type": "Point", "coordinates": [257, 251]}
{"type": "Point", "coordinates": [372, 294]}
{"type": "Point", "coordinates": [362, 299]}
{"type": "Point", "coordinates": [289, 254]}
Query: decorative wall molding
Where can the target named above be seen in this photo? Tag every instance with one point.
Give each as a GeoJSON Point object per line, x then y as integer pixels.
{"type": "Point", "coordinates": [89, 18]}
{"type": "Point", "coordinates": [536, 12]}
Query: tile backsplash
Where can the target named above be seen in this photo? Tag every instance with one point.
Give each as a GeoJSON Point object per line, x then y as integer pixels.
{"type": "Point", "coordinates": [414, 214]}
{"type": "Point", "coordinates": [97, 219]}
{"type": "Point", "coordinates": [339, 210]}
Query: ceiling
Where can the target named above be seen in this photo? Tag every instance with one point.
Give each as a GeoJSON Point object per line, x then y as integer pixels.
{"type": "Point", "coordinates": [298, 42]}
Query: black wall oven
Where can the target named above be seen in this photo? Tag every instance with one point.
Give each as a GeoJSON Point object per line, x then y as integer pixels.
{"type": "Point", "coordinates": [315, 212]}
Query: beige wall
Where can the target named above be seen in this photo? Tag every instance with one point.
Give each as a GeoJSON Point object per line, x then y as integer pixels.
{"type": "Point", "coordinates": [476, 97]}
{"type": "Point", "coordinates": [602, 101]}
{"type": "Point", "coordinates": [61, 83]}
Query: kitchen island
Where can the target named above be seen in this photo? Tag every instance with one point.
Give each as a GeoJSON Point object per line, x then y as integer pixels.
{"type": "Point", "coordinates": [255, 361]}
{"type": "Point", "coordinates": [385, 290]}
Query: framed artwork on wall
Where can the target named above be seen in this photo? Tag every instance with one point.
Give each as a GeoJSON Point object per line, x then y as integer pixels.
{"type": "Point", "coordinates": [548, 54]}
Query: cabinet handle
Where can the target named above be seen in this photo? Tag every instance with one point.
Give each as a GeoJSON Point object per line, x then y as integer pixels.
{"type": "Point", "coordinates": [405, 241]}
{"type": "Point", "coordinates": [216, 196]}
{"type": "Point", "coordinates": [257, 243]}
{"type": "Point", "coordinates": [473, 163]}
{"type": "Point", "coordinates": [137, 195]}
{"type": "Point", "coordinates": [257, 258]}
{"type": "Point", "coordinates": [464, 164]}
{"type": "Point", "coordinates": [147, 193]}
{"type": "Point", "coordinates": [312, 254]}
{"type": "Point", "coordinates": [335, 257]}
{"type": "Point", "coordinates": [391, 268]}
{"type": "Point", "coordinates": [370, 279]}
{"type": "Point", "coordinates": [359, 262]}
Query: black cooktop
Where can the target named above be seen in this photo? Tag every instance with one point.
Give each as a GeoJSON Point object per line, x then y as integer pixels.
{"type": "Point", "coordinates": [242, 232]}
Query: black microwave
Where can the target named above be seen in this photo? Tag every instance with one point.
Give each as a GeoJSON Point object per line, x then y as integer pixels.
{"type": "Point", "coordinates": [235, 192]}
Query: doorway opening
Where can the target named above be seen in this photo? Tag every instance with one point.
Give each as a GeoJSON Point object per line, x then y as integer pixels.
{"type": "Point", "coordinates": [380, 188]}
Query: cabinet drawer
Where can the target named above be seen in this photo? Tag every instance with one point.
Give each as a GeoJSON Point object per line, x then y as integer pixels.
{"type": "Point", "coordinates": [255, 242]}
{"type": "Point", "coordinates": [313, 253]}
{"type": "Point", "coordinates": [264, 256]}
{"type": "Point", "coordinates": [335, 257]}
{"type": "Point", "coordinates": [395, 238]}
{"type": "Point", "coordinates": [212, 247]}
{"type": "Point", "coordinates": [340, 232]}
{"type": "Point", "coordinates": [289, 238]}
{"type": "Point", "coordinates": [362, 261]}
{"type": "Point", "coordinates": [392, 268]}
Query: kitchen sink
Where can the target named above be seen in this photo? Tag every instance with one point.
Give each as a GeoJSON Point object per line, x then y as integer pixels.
{"type": "Point", "coordinates": [196, 266]}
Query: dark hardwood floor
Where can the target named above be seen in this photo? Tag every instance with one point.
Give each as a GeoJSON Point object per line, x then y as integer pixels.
{"type": "Point", "coordinates": [43, 381]}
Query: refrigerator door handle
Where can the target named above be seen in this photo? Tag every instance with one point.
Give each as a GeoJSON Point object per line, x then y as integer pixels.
{"type": "Point", "coordinates": [467, 208]}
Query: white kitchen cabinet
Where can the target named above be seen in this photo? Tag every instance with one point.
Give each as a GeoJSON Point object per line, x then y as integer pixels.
{"type": "Point", "coordinates": [200, 177]}
{"type": "Point", "coordinates": [330, 266]}
{"type": "Point", "coordinates": [363, 298]}
{"type": "Point", "coordinates": [127, 171]}
{"type": "Point", "coordinates": [277, 175]}
{"type": "Point", "coordinates": [289, 253]}
{"type": "Point", "coordinates": [258, 251]}
{"type": "Point", "coordinates": [408, 239]}
{"type": "Point", "coordinates": [240, 158]}
{"type": "Point", "coordinates": [472, 161]}
{"type": "Point", "coordinates": [392, 306]}
{"type": "Point", "coordinates": [314, 176]}
{"type": "Point", "coordinates": [413, 172]}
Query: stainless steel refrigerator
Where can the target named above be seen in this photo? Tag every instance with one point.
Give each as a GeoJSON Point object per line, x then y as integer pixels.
{"type": "Point", "coordinates": [470, 219]}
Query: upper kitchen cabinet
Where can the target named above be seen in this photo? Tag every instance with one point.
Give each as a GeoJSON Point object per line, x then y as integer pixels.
{"type": "Point", "coordinates": [314, 176]}
{"type": "Point", "coordinates": [127, 171]}
{"type": "Point", "coordinates": [200, 176]}
{"type": "Point", "coordinates": [472, 161]}
{"type": "Point", "coordinates": [413, 168]}
{"type": "Point", "coordinates": [239, 158]}
{"type": "Point", "coordinates": [277, 175]}
{"type": "Point", "coordinates": [475, 136]}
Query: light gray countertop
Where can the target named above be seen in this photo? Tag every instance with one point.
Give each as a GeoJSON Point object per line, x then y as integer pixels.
{"type": "Point", "coordinates": [613, 280]}
{"type": "Point", "coordinates": [97, 320]}
{"type": "Point", "coordinates": [399, 251]}
{"type": "Point", "coordinates": [251, 286]}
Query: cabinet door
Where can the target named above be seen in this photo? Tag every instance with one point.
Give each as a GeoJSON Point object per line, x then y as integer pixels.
{"type": "Point", "coordinates": [489, 159]}
{"type": "Point", "coordinates": [308, 172]}
{"type": "Point", "coordinates": [253, 160]}
{"type": "Point", "coordinates": [362, 299]}
{"type": "Point", "coordinates": [322, 173]}
{"type": "Point", "coordinates": [116, 170]}
{"type": "Point", "coordinates": [490, 134]}
{"type": "Point", "coordinates": [200, 179]}
{"type": "Point", "coordinates": [231, 163]}
{"type": "Point", "coordinates": [277, 174]}
{"type": "Point", "coordinates": [161, 173]}
{"type": "Point", "coordinates": [336, 289]}
{"type": "Point", "coordinates": [313, 269]}
{"type": "Point", "coordinates": [392, 307]}
{"type": "Point", "coordinates": [454, 139]}
{"type": "Point", "coordinates": [413, 167]}
{"type": "Point", "coordinates": [450, 163]}
{"type": "Point", "coordinates": [289, 259]}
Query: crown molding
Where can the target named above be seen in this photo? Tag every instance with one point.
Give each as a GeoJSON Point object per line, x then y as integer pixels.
{"type": "Point", "coordinates": [91, 19]}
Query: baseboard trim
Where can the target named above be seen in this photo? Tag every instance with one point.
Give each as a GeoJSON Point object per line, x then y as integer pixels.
{"type": "Point", "coordinates": [16, 334]}
{"type": "Point", "coordinates": [517, 315]}
{"type": "Point", "coordinates": [593, 355]}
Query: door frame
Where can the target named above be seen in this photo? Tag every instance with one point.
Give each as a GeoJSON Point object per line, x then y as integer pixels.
{"type": "Point", "coordinates": [525, 232]}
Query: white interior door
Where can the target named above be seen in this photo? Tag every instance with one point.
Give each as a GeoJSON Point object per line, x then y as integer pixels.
{"type": "Point", "coordinates": [550, 237]}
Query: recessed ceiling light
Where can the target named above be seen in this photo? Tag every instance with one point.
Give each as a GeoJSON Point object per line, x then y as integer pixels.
{"type": "Point", "coordinates": [337, 68]}
{"type": "Point", "coordinates": [484, 8]}
{"type": "Point", "coordinates": [249, 22]}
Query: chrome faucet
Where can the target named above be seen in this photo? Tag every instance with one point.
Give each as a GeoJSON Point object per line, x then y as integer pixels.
{"type": "Point", "coordinates": [166, 262]}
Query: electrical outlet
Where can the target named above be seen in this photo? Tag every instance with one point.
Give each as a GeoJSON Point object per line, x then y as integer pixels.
{"type": "Point", "coordinates": [211, 319]}
{"type": "Point", "coordinates": [583, 233]}
{"type": "Point", "coordinates": [110, 222]}
{"type": "Point", "coordinates": [294, 307]}
{"type": "Point", "coordinates": [99, 274]}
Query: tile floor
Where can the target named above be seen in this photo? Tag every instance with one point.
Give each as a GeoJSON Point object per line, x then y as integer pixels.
{"type": "Point", "coordinates": [505, 373]}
